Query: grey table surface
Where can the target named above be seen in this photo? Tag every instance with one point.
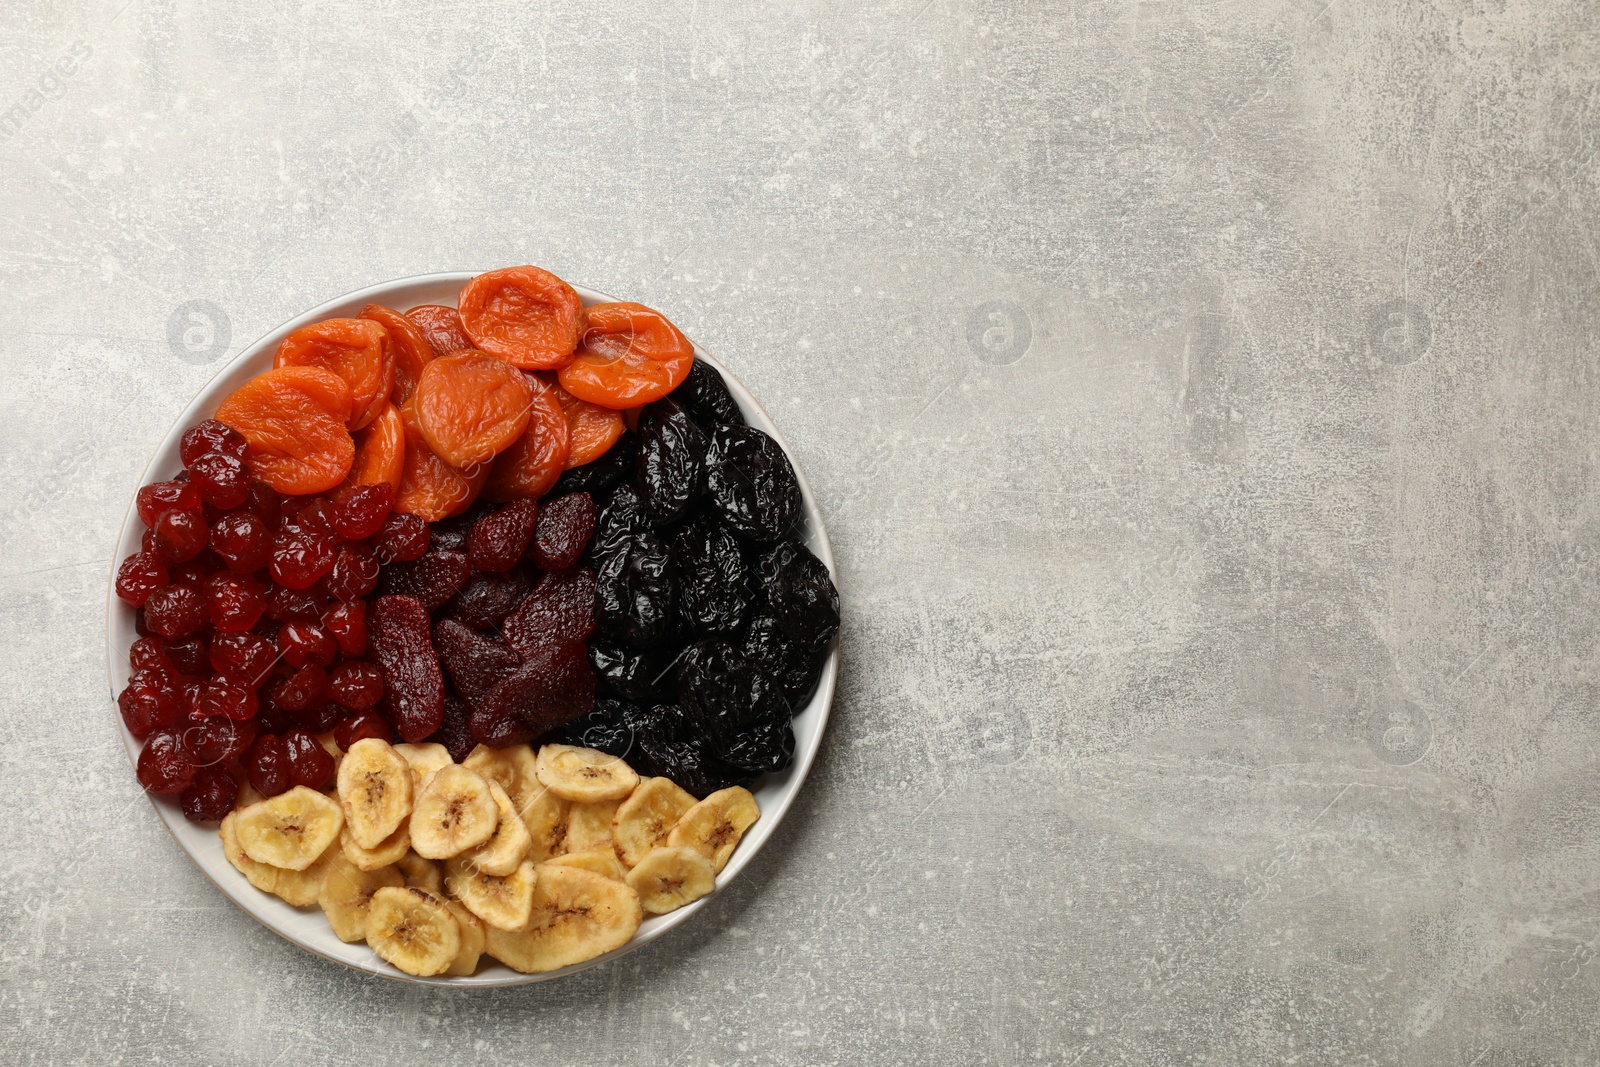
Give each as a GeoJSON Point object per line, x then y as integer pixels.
{"type": "Point", "coordinates": [1202, 400]}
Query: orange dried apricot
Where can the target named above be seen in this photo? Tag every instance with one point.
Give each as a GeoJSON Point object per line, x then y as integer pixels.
{"type": "Point", "coordinates": [471, 406]}
{"type": "Point", "coordinates": [591, 428]}
{"type": "Point", "coordinates": [442, 327]}
{"type": "Point", "coordinates": [430, 488]}
{"type": "Point", "coordinates": [526, 316]}
{"type": "Point", "coordinates": [357, 350]}
{"type": "Point", "coordinates": [631, 355]}
{"type": "Point", "coordinates": [408, 346]}
{"type": "Point", "coordinates": [380, 450]}
{"type": "Point", "coordinates": [294, 419]}
{"type": "Point", "coordinates": [532, 465]}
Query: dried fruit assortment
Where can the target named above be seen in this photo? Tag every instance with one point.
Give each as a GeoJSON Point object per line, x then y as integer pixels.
{"type": "Point", "coordinates": [425, 541]}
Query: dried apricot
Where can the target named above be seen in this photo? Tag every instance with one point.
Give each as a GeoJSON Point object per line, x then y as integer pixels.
{"type": "Point", "coordinates": [357, 350]}
{"type": "Point", "coordinates": [294, 419]}
{"type": "Point", "coordinates": [591, 429]}
{"type": "Point", "coordinates": [631, 355]}
{"type": "Point", "coordinates": [442, 327]}
{"type": "Point", "coordinates": [430, 488]}
{"type": "Point", "coordinates": [380, 450]}
{"type": "Point", "coordinates": [408, 347]}
{"type": "Point", "coordinates": [526, 316]}
{"type": "Point", "coordinates": [536, 459]}
{"type": "Point", "coordinates": [471, 407]}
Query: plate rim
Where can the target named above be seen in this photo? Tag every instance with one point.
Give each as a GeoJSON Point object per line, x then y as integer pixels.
{"type": "Point", "coordinates": [166, 811]}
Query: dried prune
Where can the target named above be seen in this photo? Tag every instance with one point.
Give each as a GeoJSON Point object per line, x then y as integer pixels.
{"type": "Point", "coordinates": [713, 582]}
{"type": "Point", "coordinates": [551, 688]}
{"type": "Point", "coordinates": [603, 473]}
{"type": "Point", "coordinates": [705, 395]}
{"type": "Point", "coordinates": [722, 692]}
{"type": "Point", "coordinates": [562, 533]}
{"type": "Point", "coordinates": [643, 676]}
{"type": "Point", "coordinates": [608, 728]}
{"type": "Point", "coordinates": [794, 667]}
{"type": "Point", "coordinates": [487, 599]}
{"type": "Point", "coordinates": [801, 594]}
{"type": "Point", "coordinates": [497, 541]}
{"type": "Point", "coordinates": [766, 747]}
{"type": "Point", "coordinates": [559, 611]}
{"type": "Point", "coordinates": [402, 645]}
{"type": "Point", "coordinates": [432, 579]}
{"type": "Point", "coordinates": [474, 663]}
{"type": "Point", "coordinates": [621, 518]}
{"type": "Point", "coordinates": [751, 482]}
{"type": "Point", "coordinates": [688, 763]}
{"type": "Point", "coordinates": [634, 593]}
{"type": "Point", "coordinates": [455, 729]}
{"type": "Point", "coordinates": [671, 468]}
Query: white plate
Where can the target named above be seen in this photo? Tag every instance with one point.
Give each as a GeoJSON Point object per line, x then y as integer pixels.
{"type": "Point", "coordinates": [307, 927]}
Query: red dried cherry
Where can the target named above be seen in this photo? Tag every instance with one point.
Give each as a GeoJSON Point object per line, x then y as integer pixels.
{"type": "Point", "coordinates": [354, 573]}
{"type": "Point", "coordinates": [197, 570]}
{"type": "Point", "coordinates": [243, 657]}
{"type": "Point", "coordinates": [149, 703]}
{"type": "Point", "coordinates": [146, 654]}
{"type": "Point", "coordinates": [267, 765]}
{"type": "Point", "coordinates": [285, 604]}
{"type": "Point", "coordinates": [176, 611]}
{"type": "Point", "coordinates": [301, 689]}
{"type": "Point", "coordinates": [211, 436]}
{"type": "Point", "coordinates": [215, 740]}
{"type": "Point", "coordinates": [361, 512]}
{"type": "Point", "coordinates": [310, 764]}
{"type": "Point", "coordinates": [221, 696]}
{"type": "Point", "coordinates": [223, 481]}
{"type": "Point", "coordinates": [320, 717]}
{"type": "Point", "coordinates": [348, 624]}
{"type": "Point", "coordinates": [401, 538]}
{"type": "Point", "coordinates": [140, 575]}
{"type": "Point", "coordinates": [210, 796]}
{"type": "Point", "coordinates": [191, 656]}
{"type": "Point", "coordinates": [299, 558]}
{"type": "Point", "coordinates": [305, 643]}
{"type": "Point", "coordinates": [158, 498]}
{"type": "Point", "coordinates": [359, 727]}
{"type": "Point", "coordinates": [164, 764]}
{"type": "Point", "coordinates": [358, 686]}
{"type": "Point", "coordinates": [266, 504]}
{"type": "Point", "coordinates": [235, 601]}
{"type": "Point", "coordinates": [242, 540]}
{"type": "Point", "coordinates": [180, 535]}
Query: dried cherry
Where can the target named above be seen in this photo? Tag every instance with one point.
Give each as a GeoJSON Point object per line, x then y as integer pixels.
{"type": "Point", "coordinates": [401, 538]}
{"type": "Point", "coordinates": [215, 740]}
{"type": "Point", "coordinates": [175, 611]}
{"type": "Point", "coordinates": [299, 558]}
{"type": "Point", "coordinates": [234, 602]}
{"type": "Point", "coordinates": [347, 622]}
{"type": "Point", "coordinates": [158, 498]}
{"type": "Point", "coordinates": [223, 480]}
{"type": "Point", "coordinates": [354, 573]}
{"type": "Point", "coordinates": [164, 764]}
{"type": "Point", "coordinates": [210, 796]}
{"type": "Point", "coordinates": [242, 540]}
{"type": "Point", "coordinates": [210, 436]}
{"type": "Point", "coordinates": [358, 727]}
{"type": "Point", "coordinates": [301, 689]}
{"type": "Point", "coordinates": [190, 656]}
{"type": "Point", "coordinates": [305, 644]}
{"type": "Point", "coordinates": [362, 511]}
{"type": "Point", "coordinates": [140, 575]}
{"type": "Point", "coordinates": [267, 765]}
{"type": "Point", "coordinates": [180, 535]}
{"type": "Point", "coordinates": [357, 686]}
{"type": "Point", "coordinates": [149, 703]}
{"type": "Point", "coordinates": [310, 764]}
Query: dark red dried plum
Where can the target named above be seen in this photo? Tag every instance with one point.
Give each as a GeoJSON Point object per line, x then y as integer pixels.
{"type": "Point", "coordinates": [487, 599]}
{"type": "Point", "coordinates": [562, 533]}
{"type": "Point", "coordinates": [644, 676]}
{"type": "Point", "coordinates": [401, 643]}
{"type": "Point", "coordinates": [672, 461]}
{"type": "Point", "coordinates": [713, 582]}
{"type": "Point", "coordinates": [603, 473]}
{"type": "Point", "coordinates": [553, 687]}
{"type": "Point", "coordinates": [705, 396]}
{"type": "Point", "coordinates": [723, 694]}
{"type": "Point", "coordinates": [619, 520]}
{"type": "Point", "coordinates": [559, 611]}
{"type": "Point", "coordinates": [497, 541]}
{"type": "Point", "coordinates": [801, 594]}
{"type": "Point", "coordinates": [433, 579]}
{"type": "Point", "coordinates": [790, 664]}
{"type": "Point", "coordinates": [474, 663]}
{"type": "Point", "coordinates": [634, 593]}
{"type": "Point", "coordinates": [455, 729]}
{"type": "Point", "coordinates": [688, 763]}
{"type": "Point", "coordinates": [751, 482]}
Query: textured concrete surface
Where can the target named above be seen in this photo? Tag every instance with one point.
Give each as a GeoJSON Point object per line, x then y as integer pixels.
{"type": "Point", "coordinates": [1202, 399]}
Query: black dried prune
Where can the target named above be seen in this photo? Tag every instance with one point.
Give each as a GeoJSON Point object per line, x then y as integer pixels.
{"type": "Point", "coordinates": [688, 763]}
{"type": "Point", "coordinates": [608, 728]}
{"type": "Point", "coordinates": [801, 594]}
{"type": "Point", "coordinates": [662, 722]}
{"type": "Point", "coordinates": [487, 599]}
{"type": "Point", "coordinates": [643, 676]}
{"type": "Point", "coordinates": [671, 466]}
{"type": "Point", "coordinates": [713, 581]}
{"type": "Point", "coordinates": [634, 593]}
{"type": "Point", "coordinates": [765, 748]}
{"type": "Point", "coordinates": [475, 663]}
{"type": "Point", "coordinates": [599, 475]}
{"type": "Point", "coordinates": [752, 483]}
{"type": "Point", "coordinates": [621, 518]}
{"type": "Point", "coordinates": [432, 579]}
{"type": "Point", "coordinates": [790, 664]}
{"type": "Point", "coordinates": [705, 396]}
{"type": "Point", "coordinates": [723, 693]}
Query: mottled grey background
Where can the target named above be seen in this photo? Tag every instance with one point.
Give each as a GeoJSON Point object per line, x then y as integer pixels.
{"type": "Point", "coordinates": [1202, 401]}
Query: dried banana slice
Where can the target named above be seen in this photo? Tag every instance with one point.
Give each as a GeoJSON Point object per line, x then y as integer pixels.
{"type": "Point", "coordinates": [513, 768]}
{"type": "Point", "coordinates": [644, 820]}
{"type": "Point", "coordinates": [589, 825]}
{"type": "Point", "coordinates": [454, 812]}
{"type": "Point", "coordinates": [346, 895]}
{"type": "Point", "coordinates": [669, 878]}
{"type": "Point", "coordinates": [424, 874]}
{"type": "Point", "coordinates": [505, 851]}
{"type": "Point", "coordinates": [302, 888]}
{"type": "Point", "coordinates": [389, 851]}
{"type": "Point", "coordinates": [502, 902]}
{"type": "Point", "coordinates": [715, 825]}
{"type": "Point", "coordinates": [291, 830]}
{"type": "Point", "coordinates": [374, 790]}
{"type": "Point", "coordinates": [263, 876]}
{"type": "Point", "coordinates": [423, 760]}
{"type": "Point", "coordinates": [604, 863]}
{"type": "Point", "coordinates": [584, 773]}
{"type": "Point", "coordinates": [546, 820]}
{"type": "Point", "coordinates": [472, 940]}
{"type": "Point", "coordinates": [413, 930]}
{"type": "Point", "coordinates": [576, 915]}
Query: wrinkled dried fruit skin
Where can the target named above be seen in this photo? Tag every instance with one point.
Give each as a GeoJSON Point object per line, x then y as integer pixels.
{"type": "Point", "coordinates": [499, 539]}
{"type": "Point", "coordinates": [752, 483]}
{"type": "Point", "coordinates": [671, 466]}
{"type": "Point", "coordinates": [550, 689]}
{"type": "Point", "coordinates": [486, 599]}
{"type": "Point", "coordinates": [713, 581]}
{"type": "Point", "coordinates": [402, 644]}
{"type": "Point", "coordinates": [724, 695]}
{"type": "Point", "coordinates": [474, 663]}
{"type": "Point", "coordinates": [621, 518]}
{"type": "Point", "coordinates": [800, 593]}
{"type": "Point", "coordinates": [432, 579]}
{"type": "Point", "coordinates": [643, 676]}
{"type": "Point", "coordinates": [765, 748]}
{"type": "Point", "coordinates": [563, 530]}
{"type": "Point", "coordinates": [705, 396]}
{"type": "Point", "coordinates": [498, 726]}
{"type": "Point", "coordinates": [209, 797]}
{"type": "Point", "coordinates": [608, 728]}
{"type": "Point", "coordinates": [604, 472]}
{"type": "Point", "coordinates": [455, 730]}
{"type": "Point", "coordinates": [634, 593]}
{"type": "Point", "coordinates": [559, 611]}
{"type": "Point", "coordinates": [688, 763]}
{"type": "Point", "coordinates": [793, 667]}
